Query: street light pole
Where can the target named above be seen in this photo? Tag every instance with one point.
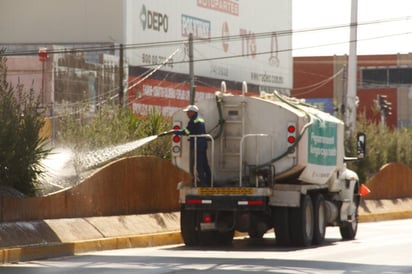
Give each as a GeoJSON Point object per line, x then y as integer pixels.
{"type": "Point", "coordinates": [351, 95]}
{"type": "Point", "coordinates": [191, 71]}
{"type": "Point", "coordinates": [43, 55]}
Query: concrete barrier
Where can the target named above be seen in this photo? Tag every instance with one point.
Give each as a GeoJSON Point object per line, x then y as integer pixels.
{"type": "Point", "coordinates": [393, 181]}
{"type": "Point", "coordinates": [62, 237]}
{"type": "Point", "coordinates": [133, 185]}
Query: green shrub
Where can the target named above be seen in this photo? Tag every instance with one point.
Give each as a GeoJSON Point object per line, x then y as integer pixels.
{"type": "Point", "coordinates": [21, 148]}
{"type": "Point", "coordinates": [112, 126]}
{"type": "Point", "coordinates": [383, 146]}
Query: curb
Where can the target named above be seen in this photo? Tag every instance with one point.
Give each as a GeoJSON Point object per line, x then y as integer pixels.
{"type": "Point", "coordinates": [25, 253]}
{"type": "Point", "coordinates": [52, 250]}
{"type": "Point", "coordinates": [385, 216]}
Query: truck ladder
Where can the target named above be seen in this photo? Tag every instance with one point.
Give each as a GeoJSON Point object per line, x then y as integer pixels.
{"type": "Point", "coordinates": [233, 132]}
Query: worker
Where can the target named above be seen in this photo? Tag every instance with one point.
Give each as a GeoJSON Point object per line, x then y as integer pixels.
{"type": "Point", "coordinates": [196, 126]}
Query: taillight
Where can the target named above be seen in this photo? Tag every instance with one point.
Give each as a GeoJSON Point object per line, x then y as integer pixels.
{"type": "Point", "coordinates": [198, 201]}
{"type": "Point", "coordinates": [207, 218]}
{"type": "Point", "coordinates": [291, 139]}
{"type": "Point", "coordinates": [291, 134]}
{"type": "Point", "coordinates": [177, 140]}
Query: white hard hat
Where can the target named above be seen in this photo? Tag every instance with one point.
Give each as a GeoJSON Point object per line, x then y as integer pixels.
{"type": "Point", "coordinates": [191, 108]}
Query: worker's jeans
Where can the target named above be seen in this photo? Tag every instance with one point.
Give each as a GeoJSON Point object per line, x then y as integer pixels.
{"type": "Point", "coordinates": [202, 167]}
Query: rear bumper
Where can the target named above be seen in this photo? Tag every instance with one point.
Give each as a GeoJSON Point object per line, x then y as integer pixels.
{"type": "Point", "coordinates": [226, 203]}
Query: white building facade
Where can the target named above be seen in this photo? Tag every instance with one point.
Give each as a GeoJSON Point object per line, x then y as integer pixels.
{"type": "Point", "coordinates": [234, 41]}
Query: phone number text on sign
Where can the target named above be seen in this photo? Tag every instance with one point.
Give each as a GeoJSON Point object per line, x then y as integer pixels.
{"type": "Point", "coordinates": [156, 60]}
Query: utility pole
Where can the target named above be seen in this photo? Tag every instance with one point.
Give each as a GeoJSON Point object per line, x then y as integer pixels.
{"type": "Point", "coordinates": [191, 71]}
{"type": "Point", "coordinates": [351, 95]}
{"type": "Point", "coordinates": [121, 75]}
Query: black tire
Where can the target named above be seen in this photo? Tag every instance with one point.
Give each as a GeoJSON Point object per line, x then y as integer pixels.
{"type": "Point", "coordinates": [254, 234]}
{"type": "Point", "coordinates": [188, 227]}
{"type": "Point", "coordinates": [348, 229]}
{"type": "Point", "coordinates": [302, 222]}
{"type": "Point", "coordinates": [257, 229]}
{"type": "Point", "coordinates": [281, 225]}
{"type": "Point", "coordinates": [225, 238]}
{"type": "Point", "coordinates": [320, 219]}
{"type": "Point", "coordinates": [208, 237]}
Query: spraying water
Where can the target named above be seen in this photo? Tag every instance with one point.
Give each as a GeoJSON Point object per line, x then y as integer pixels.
{"type": "Point", "coordinates": [59, 167]}
{"type": "Point", "coordinates": [63, 167]}
{"type": "Point", "coordinates": [96, 158]}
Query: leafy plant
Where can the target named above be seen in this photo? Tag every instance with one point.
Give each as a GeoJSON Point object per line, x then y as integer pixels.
{"type": "Point", "coordinates": [21, 148]}
{"type": "Point", "coordinates": [383, 146]}
{"type": "Point", "coordinates": [153, 124]}
{"type": "Point", "coordinates": [111, 126]}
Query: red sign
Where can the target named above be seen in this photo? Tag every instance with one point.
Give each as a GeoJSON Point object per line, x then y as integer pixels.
{"type": "Point", "coordinates": [43, 54]}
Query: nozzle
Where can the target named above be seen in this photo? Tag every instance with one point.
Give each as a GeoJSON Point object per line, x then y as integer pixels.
{"type": "Point", "coordinates": [165, 133]}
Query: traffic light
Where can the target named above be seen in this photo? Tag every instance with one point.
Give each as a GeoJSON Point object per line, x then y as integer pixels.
{"type": "Point", "coordinates": [384, 106]}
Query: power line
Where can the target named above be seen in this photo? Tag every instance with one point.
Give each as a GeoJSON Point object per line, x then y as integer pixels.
{"type": "Point", "coordinates": [318, 85]}
{"type": "Point", "coordinates": [261, 35]}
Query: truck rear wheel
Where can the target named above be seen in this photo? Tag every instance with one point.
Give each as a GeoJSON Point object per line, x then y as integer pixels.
{"type": "Point", "coordinates": [281, 225]}
{"type": "Point", "coordinates": [188, 227]}
{"type": "Point", "coordinates": [225, 237]}
{"type": "Point", "coordinates": [320, 219]}
{"type": "Point", "coordinates": [254, 234]}
{"type": "Point", "coordinates": [302, 222]}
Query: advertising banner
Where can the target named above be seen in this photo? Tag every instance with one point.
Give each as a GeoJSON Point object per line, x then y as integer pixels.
{"type": "Point", "coordinates": [236, 40]}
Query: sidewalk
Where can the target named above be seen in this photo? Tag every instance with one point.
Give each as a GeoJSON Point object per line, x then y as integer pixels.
{"type": "Point", "coordinates": [23, 241]}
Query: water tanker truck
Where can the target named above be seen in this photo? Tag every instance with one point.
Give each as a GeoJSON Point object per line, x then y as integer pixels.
{"type": "Point", "coordinates": [276, 163]}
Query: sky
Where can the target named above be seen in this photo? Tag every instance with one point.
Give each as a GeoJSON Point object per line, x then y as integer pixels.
{"type": "Point", "coordinates": [384, 27]}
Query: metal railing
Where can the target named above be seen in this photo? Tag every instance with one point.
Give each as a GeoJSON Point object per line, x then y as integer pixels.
{"type": "Point", "coordinates": [212, 166]}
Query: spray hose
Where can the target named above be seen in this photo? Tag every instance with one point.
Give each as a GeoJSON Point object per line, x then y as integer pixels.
{"type": "Point", "coordinates": [221, 120]}
{"type": "Point", "coordinates": [298, 138]}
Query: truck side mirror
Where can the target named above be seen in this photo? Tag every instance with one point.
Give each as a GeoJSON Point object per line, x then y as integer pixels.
{"type": "Point", "coordinates": [361, 145]}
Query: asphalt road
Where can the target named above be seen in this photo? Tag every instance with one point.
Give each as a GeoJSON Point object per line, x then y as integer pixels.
{"type": "Point", "coordinates": [380, 247]}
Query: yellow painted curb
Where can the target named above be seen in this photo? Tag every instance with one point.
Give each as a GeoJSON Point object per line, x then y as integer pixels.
{"type": "Point", "coordinates": [10, 255]}
{"type": "Point", "coordinates": [385, 216]}
{"type": "Point", "coordinates": [128, 242]}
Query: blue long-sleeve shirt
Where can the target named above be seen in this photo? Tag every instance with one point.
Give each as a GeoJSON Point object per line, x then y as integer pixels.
{"type": "Point", "coordinates": [195, 126]}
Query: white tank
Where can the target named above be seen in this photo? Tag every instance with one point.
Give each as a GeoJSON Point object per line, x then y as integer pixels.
{"type": "Point", "coordinates": [255, 132]}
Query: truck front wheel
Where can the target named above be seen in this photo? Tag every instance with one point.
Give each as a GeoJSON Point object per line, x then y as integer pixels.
{"type": "Point", "coordinates": [348, 229]}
